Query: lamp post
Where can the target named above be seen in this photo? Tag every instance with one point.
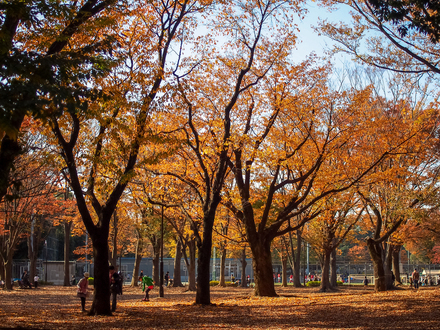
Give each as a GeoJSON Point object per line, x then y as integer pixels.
{"type": "Point", "coordinates": [45, 272]}
{"type": "Point", "coordinates": [161, 255]}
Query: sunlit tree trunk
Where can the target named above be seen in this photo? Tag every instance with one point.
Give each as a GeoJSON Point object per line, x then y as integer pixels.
{"type": "Point", "coordinates": [243, 266]}
{"type": "Point", "coordinates": [297, 260]}
{"type": "Point", "coordinates": [222, 281]}
{"type": "Point", "coordinates": [333, 275]}
{"type": "Point", "coordinates": [67, 228]}
{"type": "Point", "coordinates": [114, 254]}
{"type": "Point", "coordinates": [387, 265]}
{"type": "Point", "coordinates": [32, 243]}
{"type": "Point", "coordinates": [325, 283]}
{"type": "Point", "coordinates": [177, 281]}
{"type": "Point", "coordinates": [192, 266]}
{"type": "Point", "coordinates": [263, 271]}
{"type": "Point", "coordinates": [156, 256]}
{"type": "Point", "coordinates": [376, 256]}
{"type": "Point", "coordinates": [396, 262]}
{"type": "Point", "coordinates": [284, 270]}
{"type": "Point", "coordinates": [137, 260]}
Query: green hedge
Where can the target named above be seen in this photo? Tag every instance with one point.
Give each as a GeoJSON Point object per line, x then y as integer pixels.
{"type": "Point", "coordinates": [91, 281]}
{"type": "Point", "coordinates": [215, 283]}
{"type": "Point", "coordinates": [318, 283]}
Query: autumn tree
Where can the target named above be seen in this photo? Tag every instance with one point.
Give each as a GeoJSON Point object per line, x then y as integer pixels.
{"type": "Point", "coordinates": [211, 94]}
{"type": "Point", "coordinates": [402, 184]}
{"type": "Point", "coordinates": [100, 147]}
{"type": "Point", "coordinates": [30, 201]}
{"type": "Point", "coordinates": [327, 231]}
{"type": "Point", "coordinates": [393, 35]}
{"type": "Point", "coordinates": [34, 60]}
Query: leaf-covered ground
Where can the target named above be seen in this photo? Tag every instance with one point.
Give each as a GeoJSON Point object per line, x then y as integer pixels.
{"type": "Point", "coordinates": [350, 308]}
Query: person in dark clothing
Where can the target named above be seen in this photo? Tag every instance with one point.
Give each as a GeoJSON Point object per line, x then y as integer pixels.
{"type": "Point", "coordinates": [25, 280]}
{"type": "Point", "coordinates": [167, 278]}
{"type": "Point", "coordinates": [114, 286]}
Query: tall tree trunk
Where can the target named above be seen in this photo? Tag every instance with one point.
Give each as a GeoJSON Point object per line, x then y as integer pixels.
{"type": "Point", "coordinates": [192, 266]}
{"type": "Point", "coordinates": [243, 267]}
{"type": "Point", "coordinates": [156, 259]}
{"type": "Point", "coordinates": [333, 275]}
{"type": "Point", "coordinates": [203, 293]}
{"type": "Point", "coordinates": [137, 260]}
{"type": "Point", "coordinates": [284, 270]}
{"type": "Point", "coordinates": [2, 269]}
{"type": "Point", "coordinates": [67, 227]}
{"type": "Point", "coordinates": [376, 256]}
{"type": "Point", "coordinates": [101, 297]}
{"type": "Point", "coordinates": [388, 261]}
{"type": "Point", "coordinates": [8, 271]}
{"type": "Point", "coordinates": [114, 254]}
{"type": "Point", "coordinates": [177, 280]}
{"type": "Point", "coordinates": [32, 242]}
{"type": "Point", "coordinates": [297, 261]}
{"type": "Point", "coordinates": [262, 265]}
{"type": "Point", "coordinates": [396, 262]}
{"type": "Point", "coordinates": [222, 268]}
{"type": "Point", "coordinates": [325, 283]}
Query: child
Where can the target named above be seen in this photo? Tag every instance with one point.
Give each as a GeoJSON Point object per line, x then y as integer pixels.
{"type": "Point", "coordinates": [147, 285]}
{"type": "Point", "coordinates": [36, 278]}
{"type": "Point", "coordinates": [82, 292]}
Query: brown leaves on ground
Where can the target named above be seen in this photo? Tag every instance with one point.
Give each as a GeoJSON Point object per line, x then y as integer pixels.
{"type": "Point", "coordinates": [349, 308]}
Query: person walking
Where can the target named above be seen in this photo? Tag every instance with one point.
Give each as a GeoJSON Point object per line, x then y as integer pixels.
{"type": "Point", "coordinates": [83, 290]}
{"type": "Point", "coordinates": [366, 281]}
{"type": "Point", "coordinates": [36, 278]}
{"type": "Point", "coordinates": [416, 278]}
{"type": "Point", "coordinates": [147, 285]}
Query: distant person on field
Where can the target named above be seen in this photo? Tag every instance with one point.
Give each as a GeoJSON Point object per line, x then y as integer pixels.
{"type": "Point", "coordinates": [167, 278]}
{"type": "Point", "coordinates": [25, 280]}
{"type": "Point", "coordinates": [36, 278]}
{"type": "Point", "coordinates": [365, 281]}
{"type": "Point", "coordinates": [416, 278]}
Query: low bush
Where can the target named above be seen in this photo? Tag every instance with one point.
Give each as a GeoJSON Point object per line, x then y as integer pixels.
{"type": "Point", "coordinates": [318, 283]}
{"type": "Point", "coordinates": [215, 283]}
{"type": "Point", "coordinates": [91, 281]}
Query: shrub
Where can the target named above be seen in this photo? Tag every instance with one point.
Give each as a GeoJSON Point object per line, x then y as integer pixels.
{"type": "Point", "coordinates": [313, 283]}
{"type": "Point", "coordinates": [91, 281]}
{"type": "Point", "coordinates": [215, 283]}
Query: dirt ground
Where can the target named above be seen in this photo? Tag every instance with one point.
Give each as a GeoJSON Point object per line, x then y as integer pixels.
{"type": "Point", "coordinates": [54, 307]}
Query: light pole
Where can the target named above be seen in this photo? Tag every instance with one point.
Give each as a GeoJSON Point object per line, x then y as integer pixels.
{"type": "Point", "coordinates": [161, 255]}
{"type": "Point", "coordinates": [45, 273]}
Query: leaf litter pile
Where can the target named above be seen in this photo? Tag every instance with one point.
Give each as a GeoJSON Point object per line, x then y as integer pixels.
{"type": "Point", "coordinates": [54, 307]}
